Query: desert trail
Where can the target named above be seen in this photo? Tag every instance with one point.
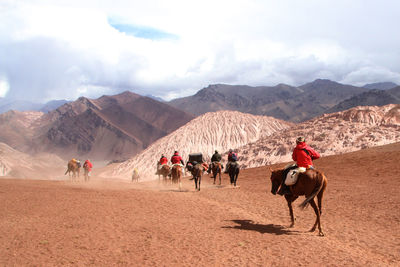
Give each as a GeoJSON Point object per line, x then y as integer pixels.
{"type": "Point", "coordinates": [107, 222]}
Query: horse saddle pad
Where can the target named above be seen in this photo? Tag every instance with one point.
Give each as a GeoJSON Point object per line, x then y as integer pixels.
{"type": "Point", "coordinates": [293, 175]}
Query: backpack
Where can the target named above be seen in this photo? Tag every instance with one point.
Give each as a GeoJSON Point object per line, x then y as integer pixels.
{"type": "Point", "coordinates": [234, 157]}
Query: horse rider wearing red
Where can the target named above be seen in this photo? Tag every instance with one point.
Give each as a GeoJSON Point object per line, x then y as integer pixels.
{"type": "Point", "coordinates": [304, 155]}
{"type": "Point", "coordinates": [88, 166]}
{"type": "Point", "coordinates": [176, 159]}
{"type": "Point", "coordinates": [163, 160]}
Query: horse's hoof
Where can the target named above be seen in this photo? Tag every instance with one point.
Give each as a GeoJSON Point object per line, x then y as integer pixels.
{"type": "Point", "coordinates": [291, 226]}
{"type": "Point", "coordinates": [312, 230]}
{"type": "Point", "coordinates": [321, 234]}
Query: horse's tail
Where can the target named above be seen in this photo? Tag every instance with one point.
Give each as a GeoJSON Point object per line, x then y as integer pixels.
{"type": "Point", "coordinates": [66, 172]}
{"type": "Point", "coordinates": [315, 192]}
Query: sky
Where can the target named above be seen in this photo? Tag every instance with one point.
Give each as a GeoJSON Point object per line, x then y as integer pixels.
{"type": "Point", "coordinates": [53, 49]}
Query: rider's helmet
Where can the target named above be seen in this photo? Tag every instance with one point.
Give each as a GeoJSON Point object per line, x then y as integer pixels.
{"type": "Point", "coordinates": [216, 151]}
{"type": "Point", "coordinates": [300, 139]}
{"type": "Point", "coordinates": [230, 150]}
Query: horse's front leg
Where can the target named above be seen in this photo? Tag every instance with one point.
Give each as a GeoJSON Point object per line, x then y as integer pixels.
{"type": "Point", "coordinates": [289, 200]}
{"type": "Point", "coordinates": [219, 177]}
{"type": "Point", "coordinates": [291, 213]}
{"type": "Point", "coordinates": [318, 219]}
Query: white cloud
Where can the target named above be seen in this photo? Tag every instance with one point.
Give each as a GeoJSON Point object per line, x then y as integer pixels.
{"type": "Point", "coordinates": [4, 86]}
{"type": "Point", "coordinates": [53, 50]}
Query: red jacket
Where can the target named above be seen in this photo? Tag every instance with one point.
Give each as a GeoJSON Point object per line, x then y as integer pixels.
{"type": "Point", "coordinates": [88, 165]}
{"type": "Point", "coordinates": [163, 160]}
{"type": "Point", "coordinates": [301, 157]}
{"type": "Point", "coordinates": [176, 159]}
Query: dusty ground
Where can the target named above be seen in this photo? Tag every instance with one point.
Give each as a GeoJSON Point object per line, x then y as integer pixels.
{"type": "Point", "coordinates": [107, 223]}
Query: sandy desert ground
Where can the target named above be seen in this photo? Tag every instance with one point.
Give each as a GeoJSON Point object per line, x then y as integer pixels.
{"type": "Point", "coordinates": [104, 222]}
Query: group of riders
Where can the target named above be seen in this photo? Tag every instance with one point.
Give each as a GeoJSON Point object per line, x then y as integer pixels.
{"type": "Point", "coordinates": [87, 165]}
{"type": "Point", "coordinates": [302, 154]}
{"type": "Point", "coordinates": [216, 158]}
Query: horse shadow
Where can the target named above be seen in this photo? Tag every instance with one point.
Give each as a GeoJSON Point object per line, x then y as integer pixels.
{"type": "Point", "coordinates": [249, 225]}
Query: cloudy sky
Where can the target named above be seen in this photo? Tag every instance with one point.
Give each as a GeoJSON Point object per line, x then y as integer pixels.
{"type": "Point", "coordinates": [53, 49]}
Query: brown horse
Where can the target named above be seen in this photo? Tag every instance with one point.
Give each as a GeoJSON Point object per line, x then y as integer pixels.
{"type": "Point", "coordinates": [310, 184]}
{"type": "Point", "coordinates": [74, 168]}
{"type": "Point", "coordinates": [176, 174]}
{"type": "Point", "coordinates": [216, 170]}
{"type": "Point", "coordinates": [197, 172]}
{"type": "Point", "coordinates": [164, 171]}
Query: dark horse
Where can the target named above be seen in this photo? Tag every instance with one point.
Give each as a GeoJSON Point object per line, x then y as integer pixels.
{"type": "Point", "coordinates": [233, 171]}
{"type": "Point", "coordinates": [197, 172]}
{"type": "Point", "coordinates": [310, 184]}
{"type": "Point", "coordinates": [216, 170]}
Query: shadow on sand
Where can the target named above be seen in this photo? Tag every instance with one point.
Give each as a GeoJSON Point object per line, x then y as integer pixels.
{"type": "Point", "coordinates": [261, 228]}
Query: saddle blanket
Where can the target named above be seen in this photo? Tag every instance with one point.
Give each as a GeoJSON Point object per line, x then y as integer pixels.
{"type": "Point", "coordinates": [293, 175]}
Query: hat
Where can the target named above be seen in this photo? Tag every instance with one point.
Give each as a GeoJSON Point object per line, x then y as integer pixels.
{"type": "Point", "coordinates": [230, 150]}
{"type": "Point", "coordinates": [300, 139]}
{"type": "Point", "coordinates": [216, 151]}
{"type": "Point", "coordinates": [176, 151]}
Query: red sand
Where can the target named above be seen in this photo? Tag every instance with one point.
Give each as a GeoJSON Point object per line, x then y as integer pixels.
{"type": "Point", "coordinates": [119, 223]}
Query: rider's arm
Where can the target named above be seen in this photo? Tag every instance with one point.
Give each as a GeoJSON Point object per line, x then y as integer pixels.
{"type": "Point", "coordinates": [314, 154]}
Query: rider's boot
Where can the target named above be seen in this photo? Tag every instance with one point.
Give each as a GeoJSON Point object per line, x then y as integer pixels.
{"type": "Point", "coordinates": [284, 190]}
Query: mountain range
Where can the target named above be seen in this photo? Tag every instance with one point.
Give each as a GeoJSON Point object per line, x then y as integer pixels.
{"type": "Point", "coordinates": [282, 101]}
{"type": "Point", "coordinates": [119, 127]}
{"type": "Point", "coordinates": [262, 140]}
{"type": "Point", "coordinates": [108, 128]}
{"type": "Point", "coordinates": [381, 86]}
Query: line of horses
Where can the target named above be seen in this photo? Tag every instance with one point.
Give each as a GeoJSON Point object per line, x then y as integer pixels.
{"type": "Point", "coordinates": [173, 174]}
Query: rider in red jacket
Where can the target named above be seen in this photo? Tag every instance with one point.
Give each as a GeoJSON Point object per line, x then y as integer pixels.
{"type": "Point", "coordinates": [88, 165]}
{"type": "Point", "coordinates": [176, 159]}
{"type": "Point", "coordinates": [303, 154]}
{"type": "Point", "coordinates": [163, 160]}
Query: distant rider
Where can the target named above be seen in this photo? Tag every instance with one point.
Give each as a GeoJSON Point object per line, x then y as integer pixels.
{"type": "Point", "coordinates": [177, 159]}
{"type": "Point", "coordinates": [216, 157]}
{"type": "Point", "coordinates": [88, 166]}
{"type": "Point", "coordinates": [303, 155]}
{"type": "Point", "coordinates": [232, 157]}
{"type": "Point", "coordinates": [163, 160]}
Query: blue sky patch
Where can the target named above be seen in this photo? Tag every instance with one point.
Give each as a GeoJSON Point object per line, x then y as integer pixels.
{"type": "Point", "coordinates": [142, 31]}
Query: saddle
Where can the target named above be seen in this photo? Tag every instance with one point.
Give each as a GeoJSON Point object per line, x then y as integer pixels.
{"type": "Point", "coordinates": [293, 175]}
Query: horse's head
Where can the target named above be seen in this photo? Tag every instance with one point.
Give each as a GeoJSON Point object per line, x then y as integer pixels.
{"type": "Point", "coordinates": [276, 180]}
